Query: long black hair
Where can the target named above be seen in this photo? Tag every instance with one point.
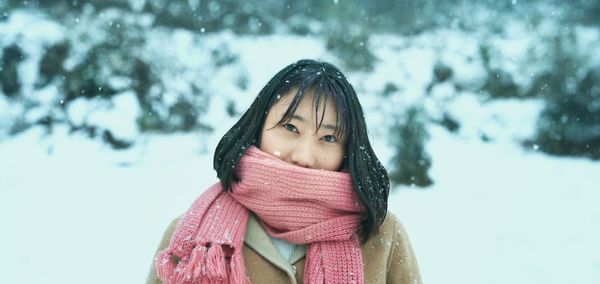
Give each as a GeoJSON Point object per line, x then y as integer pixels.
{"type": "Point", "coordinates": [369, 177]}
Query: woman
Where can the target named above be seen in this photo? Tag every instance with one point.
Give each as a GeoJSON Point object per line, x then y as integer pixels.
{"type": "Point", "coordinates": [301, 198]}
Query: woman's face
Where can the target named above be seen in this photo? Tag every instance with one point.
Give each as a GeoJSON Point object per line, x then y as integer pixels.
{"type": "Point", "coordinates": [297, 141]}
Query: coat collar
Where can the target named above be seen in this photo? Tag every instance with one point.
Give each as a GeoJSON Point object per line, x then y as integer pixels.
{"type": "Point", "coordinates": [257, 238]}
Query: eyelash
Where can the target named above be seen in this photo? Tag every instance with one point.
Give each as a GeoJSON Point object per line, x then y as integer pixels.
{"type": "Point", "coordinates": [333, 137]}
{"type": "Point", "coordinates": [326, 138]}
{"type": "Point", "coordinates": [290, 128]}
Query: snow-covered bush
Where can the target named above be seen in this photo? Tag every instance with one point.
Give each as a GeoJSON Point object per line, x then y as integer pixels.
{"type": "Point", "coordinates": [570, 123]}
{"type": "Point", "coordinates": [410, 161]}
{"type": "Point", "coordinates": [51, 64]}
{"type": "Point", "coordinates": [499, 83]}
{"type": "Point", "coordinates": [12, 55]}
{"type": "Point", "coordinates": [441, 73]}
{"type": "Point", "coordinates": [353, 49]}
{"type": "Point", "coordinates": [584, 12]}
{"type": "Point", "coordinates": [116, 57]}
{"type": "Point", "coordinates": [59, 8]}
{"type": "Point", "coordinates": [218, 15]}
{"type": "Point", "coordinates": [101, 78]}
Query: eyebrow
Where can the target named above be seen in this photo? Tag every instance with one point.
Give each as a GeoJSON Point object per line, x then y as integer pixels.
{"type": "Point", "coordinates": [324, 125]}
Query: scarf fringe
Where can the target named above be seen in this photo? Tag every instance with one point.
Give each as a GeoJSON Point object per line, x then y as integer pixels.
{"type": "Point", "coordinates": [238, 274]}
{"type": "Point", "coordinates": [164, 265]}
{"type": "Point", "coordinates": [216, 267]}
{"type": "Point", "coordinates": [179, 275]}
{"type": "Point", "coordinates": [205, 263]}
{"type": "Point", "coordinates": [196, 265]}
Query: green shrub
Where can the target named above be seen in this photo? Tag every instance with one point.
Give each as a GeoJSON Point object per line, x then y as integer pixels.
{"type": "Point", "coordinates": [51, 64]}
{"type": "Point", "coordinates": [498, 82]}
{"type": "Point", "coordinates": [12, 56]}
{"type": "Point", "coordinates": [411, 162]}
{"type": "Point", "coordinates": [216, 15]}
{"type": "Point", "coordinates": [352, 49]}
{"type": "Point", "coordinates": [389, 89]}
{"type": "Point", "coordinates": [570, 122]}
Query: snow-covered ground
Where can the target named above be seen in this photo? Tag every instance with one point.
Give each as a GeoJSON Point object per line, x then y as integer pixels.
{"type": "Point", "coordinates": [75, 211]}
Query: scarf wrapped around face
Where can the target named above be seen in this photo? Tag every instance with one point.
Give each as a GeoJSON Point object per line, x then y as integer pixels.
{"type": "Point", "coordinates": [302, 206]}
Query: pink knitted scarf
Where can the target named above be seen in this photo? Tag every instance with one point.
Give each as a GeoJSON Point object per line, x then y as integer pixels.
{"type": "Point", "coordinates": [302, 206]}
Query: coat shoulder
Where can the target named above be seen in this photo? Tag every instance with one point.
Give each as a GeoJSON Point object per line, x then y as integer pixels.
{"type": "Point", "coordinates": [388, 256]}
{"type": "Point", "coordinates": [390, 221]}
{"type": "Point", "coordinates": [152, 278]}
{"type": "Point", "coordinates": [391, 228]}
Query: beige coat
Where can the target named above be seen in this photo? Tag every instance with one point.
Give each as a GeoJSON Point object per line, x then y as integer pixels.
{"type": "Point", "coordinates": [387, 256]}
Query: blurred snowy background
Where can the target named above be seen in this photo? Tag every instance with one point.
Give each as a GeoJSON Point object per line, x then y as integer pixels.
{"type": "Point", "coordinates": [486, 113]}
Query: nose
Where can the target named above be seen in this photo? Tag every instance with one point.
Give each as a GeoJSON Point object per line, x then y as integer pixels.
{"type": "Point", "coordinates": [303, 155]}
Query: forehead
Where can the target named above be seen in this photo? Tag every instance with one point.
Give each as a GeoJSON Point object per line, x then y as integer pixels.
{"type": "Point", "coordinates": [309, 102]}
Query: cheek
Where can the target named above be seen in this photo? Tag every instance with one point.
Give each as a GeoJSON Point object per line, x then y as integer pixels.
{"type": "Point", "coordinates": [269, 140]}
{"type": "Point", "coordinates": [332, 160]}
{"type": "Point", "coordinates": [272, 144]}
{"type": "Point", "coordinates": [265, 142]}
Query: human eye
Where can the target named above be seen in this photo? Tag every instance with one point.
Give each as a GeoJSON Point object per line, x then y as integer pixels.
{"type": "Point", "coordinates": [290, 128]}
{"type": "Point", "coordinates": [329, 139]}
